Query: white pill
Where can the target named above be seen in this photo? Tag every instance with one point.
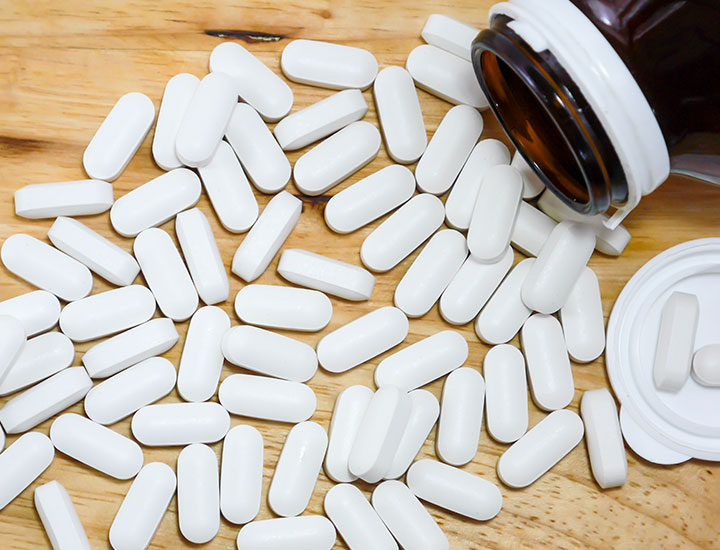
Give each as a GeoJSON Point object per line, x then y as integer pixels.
{"type": "Point", "coordinates": [59, 518]}
{"type": "Point", "coordinates": [328, 65]}
{"type": "Point", "coordinates": [461, 416]}
{"type": "Point", "coordinates": [241, 474]}
{"type": "Point", "coordinates": [423, 361]}
{"type": "Point", "coordinates": [676, 341]}
{"type": "Point", "coordinates": [604, 438]}
{"type": "Point", "coordinates": [206, 116]}
{"type": "Point", "coordinates": [37, 311]}
{"type": "Point", "coordinates": [170, 424]}
{"type": "Point", "coordinates": [532, 184]}
{"type": "Point", "coordinates": [471, 288]}
{"type": "Point", "coordinates": [229, 190]}
{"type": "Point", "coordinates": [2, 439]}
{"type": "Point", "coordinates": [461, 201]}
{"type": "Point", "coordinates": [269, 353]}
{"type": "Point", "coordinates": [254, 82]}
{"type": "Point", "coordinates": [107, 313]}
{"type": "Point", "coordinates": [96, 446]}
{"type": "Point", "coordinates": [705, 365]}
{"type": "Point", "coordinates": [582, 319]}
{"type": "Point", "coordinates": [350, 407]}
{"type": "Point", "coordinates": [202, 256]}
{"type": "Point", "coordinates": [449, 34]}
{"type": "Point", "coordinates": [424, 412]}
{"type": "Point", "coordinates": [297, 469]}
{"type": "Point", "coordinates": [166, 274]}
{"type": "Point", "coordinates": [400, 234]}
{"type": "Point", "coordinates": [71, 198]}
{"type": "Point", "coordinates": [155, 202]}
{"type": "Point", "coordinates": [532, 229]}
{"type": "Point", "coordinates": [46, 267]}
{"type": "Point", "coordinates": [202, 358]}
{"type": "Point", "coordinates": [336, 158]}
{"type": "Point", "coordinates": [12, 343]}
{"type": "Point", "coordinates": [493, 217]}
{"type": "Point", "coordinates": [362, 339]}
{"type": "Point", "coordinates": [406, 518]}
{"type": "Point", "coordinates": [453, 489]}
{"type": "Point", "coordinates": [283, 307]}
{"type": "Point", "coordinates": [126, 392]}
{"type": "Point", "coordinates": [264, 162]}
{"type": "Point", "coordinates": [101, 255]}
{"type": "Point", "coordinates": [119, 137]}
{"type": "Point", "coordinates": [41, 357]}
{"type": "Point", "coordinates": [198, 493]}
{"type": "Point", "coordinates": [178, 93]}
{"type": "Point", "coordinates": [356, 520]}
{"type": "Point", "coordinates": [143, 507]}
{"type": "Point", "coordinates": [446, 76]}
{"type": "Point", "coordinates": [311, 532]}
{"type": "Point", "coordinates": [431, 272]}
{"type": "Point", "coordinates": [540, 449]}
{"type": "Point", "coordinates": [401, 119]}
{"type": "Point", "coordinates": [44, 400]}
{"type": "Point", "coordinates": [506, 397]}
{"type": "Point", "coordinates": [320, 119]}
{"type": "Point", "coordinates": [22, 463]}
{"type": "Point", "coordinates": [504, 314]}
{"type": "Point", "coordinates": [262, 242]}
{"type": "Point", "coordinates": [267, 398]}
{"type": "Point", "coordinates": [326, 274]}
{"type": "Point", "coordinates": [130, 347]}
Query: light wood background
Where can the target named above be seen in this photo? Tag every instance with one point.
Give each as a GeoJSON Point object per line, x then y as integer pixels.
{"type": "Point", "coordinates": [62, 67]}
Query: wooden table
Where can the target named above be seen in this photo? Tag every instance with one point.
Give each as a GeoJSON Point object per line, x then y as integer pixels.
{"type": "Point", "coordinates": [64, 64]}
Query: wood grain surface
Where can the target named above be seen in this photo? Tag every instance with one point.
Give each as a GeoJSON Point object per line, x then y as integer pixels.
{"type": "Point", "coordinates": [62, 67]}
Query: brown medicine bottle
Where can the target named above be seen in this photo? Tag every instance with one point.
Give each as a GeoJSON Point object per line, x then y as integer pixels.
{"type": "Point", "coordinates": [605, 98]}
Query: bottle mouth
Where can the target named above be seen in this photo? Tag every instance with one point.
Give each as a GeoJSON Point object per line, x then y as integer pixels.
{"type": "Point", "coordinates": [548, 120]}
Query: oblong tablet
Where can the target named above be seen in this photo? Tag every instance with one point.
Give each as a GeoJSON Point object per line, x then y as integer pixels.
{"type": "Point", "coordinates": [46, 267]}
{"type": "Point", "coordinates": [22, 463]}
{"type": "Point", "coordinates": [198, 493]}
{"type": "Point", "coordinates": [705, 365]}
{"type": "Point", "coordinates": [423, 361]}
{"type": "Point", "coordinates": [119, 137]}
{"type": "Point", "coordinates": [267, 398]}
{"type": "Point", "coordinates": [399, 113]}
{"type": "Point", "coordinates": [170, 424]}
{"type": "Point", "coordinates": [70, 198]}
{"type": "Point", "coordinates": [41, 357]}
{"type": "Point", "coordinates": [540, 449]}
{"type": "Point", "coordinates": [12, 343]}
{"type": "Point", "coordinates": [328, 65]}
{"type": "Point", "coordinates": [582, 319]}
{"type": "Point", "coordinates": [37, 311]}
{"type": "Point", "coordinates": [241, 474]}
{"type": "Point", "coordinates": [676, 341]}
{"type": "Point", "coordinates": [283, 307]}
{"type": "Point", "coordinates": [532, 184]}
{"type": "Point", "coordinates": [461, 414]}
{"type": "Point", "coordinates": [362, 339]}
{"type": "Point", "coordinates": [155, 202]}
{"type": "Point", "coordinates": [604, 439]}
{"type": "Point", "coordinates": [270, 353]}
{"type": "Point", "coordinates": [532, 229]}
{"type": "Point", "coordinates": [449, 34]}
{"type": "Point", "coordinates": [126, 392]}
{"type": "Point", "coordinates": [314, 532]}
{"type": "Point", "coordinates": [166, 274]}
{"type": "Point", "coordinates": [177, 95]}
{"type": "Point", "coordinates": [96, 446]}
{"type": "Point", "coordinates": [506, 398]}
{"type": "Point", "coordinates": [396, 238]}
{"type": "Point", "coordinates": [255, 83]}
{"type": "Point", "coordinates": [107, 313]}
{"type": "Point", "coordinates": [326, 274]}
{"type": "Point", "coordinates": [59, 518]}
{"type": "Point", "coordinates": [350, 407]}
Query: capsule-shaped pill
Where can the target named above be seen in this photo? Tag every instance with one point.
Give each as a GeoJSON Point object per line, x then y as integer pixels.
{"type": "Point", "coordinates": [107, 313]}
{"type": "Point", "coordinates": [532, 229]}
{"type": "Point", "coordinates": [297, 469]}
{"type": "Point", "coordinates": [267, 398]}
{"type": "Point", "coordinates": [46, 267]}
{"type": "Point", "coordinates": [96, 446]}
{"type": "Point", "coordinates": [532, 184]}
{"type": "Point", "coordinates": [198, 493]}
{"type": "Point", "coordinates": [705, 366]}
{"type": "Point", "coordinates": [454, 489]}
{"type": "Point", "coordinates": [449, 34]}
{"type": "Point", "coordinates": [170, 424]}
{"type": "Point", "coordinates": [241, 474]}
{"type": "Point", "coordinates": [676, 341]}
{"type": "Point", "coordinates": [41, 357]}
{"type": "Point", "coordinates": [178, 93]}
{"type": "Point", "coordinates": [22, 463]}
{"type": "Point", "coordinates": [2, 439]}
{"type": "Point", "coordinates": [604, 438]}
{"type": "Point", "coordinates": [461, 415]}
{"type": "Point", "coordinates": [68, 198]}
{"type": "Point", "coordinates": [423, 361]}
{"type": "Point", "coordinates": [582, 319]}
{"type": "Point", "coordinates": [506, 400]}
{"type": "Point", "coordinates": [263, 241]}
{"type": "Point", "coordinates": [400, 234]}
{"type": "Point", "coordinates": [166, 274]}
{"type": "Point", "coordinates": [12, 344]}
{"type": "Point", "coordinates": [350, 407]}
{"type": "Point", "coordinates": [59, 518]}
{"type": "Point", "coordinates": [37, 311]}
{"type": "Point", "coordinates": [283, 307]}
{"type": "Point", "coordinates": [254, 82]}
{"type": "Point", "coordinates": [540, 449]}
{"type": "Point", "coordinates": [202, 357]}
{"type": "Point", "coordinates": [119, 136]}
{"type": "Point", "coordinates": [401, 119]}
{"type": "Point", "coordinates": [155, 202]}
{"type": "Point", "coordinates": [314, 532]}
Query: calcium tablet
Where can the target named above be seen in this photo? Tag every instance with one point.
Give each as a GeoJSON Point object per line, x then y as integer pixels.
{"type": "Point", "coordinates": [12, 344]}
{"type": "Point", "coordinates": [198, 493]}
{"type": "Point", "coordinates": [241, 474]}
{"type": "Point", "coordinates": [532, 184]}
{"type": "Point", "coordinates": [604, 438]}
{"type": "Point", "coordinates": [59, 518]}
{"type": "Point", "coordinates": [582, 319]}
{"type": "Point", "coordinates": [314, 532]}
{"type": "Point", "coordinates": [676, 341]}
{"type": "Point", "coordinates": [267, 398]}
{"type": "Point", "coordinates": [449, 34]}
{"type": "Point", "coordinates": [71, 198]}
{"type": "Point", "coordinates": [170, 424]}
{"type": "Point", "coordinates": [350, 407]}
{"type": "Point", "coordinates": [283, 307]}
{"type": "Point", "coordinates": [506, 399]}
{"type": "Point", "coordinates": [705, 365]}
{"type": "Point", "coordinates": [176, 98]}
{"type": "Point", "coordinates": [532, 229]}
{"type": "Point", "coordinates": [22, 463]}
{"type": "Point", "coordinates": [461, 415]}
{"type": "Point", "coordinates": [37, 311]}
{"type": "Point", "coordinates": [41, 357]}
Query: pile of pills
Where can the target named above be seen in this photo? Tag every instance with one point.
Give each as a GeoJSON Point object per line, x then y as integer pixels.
{"type": "Point", "coordinates": [205, 139]}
